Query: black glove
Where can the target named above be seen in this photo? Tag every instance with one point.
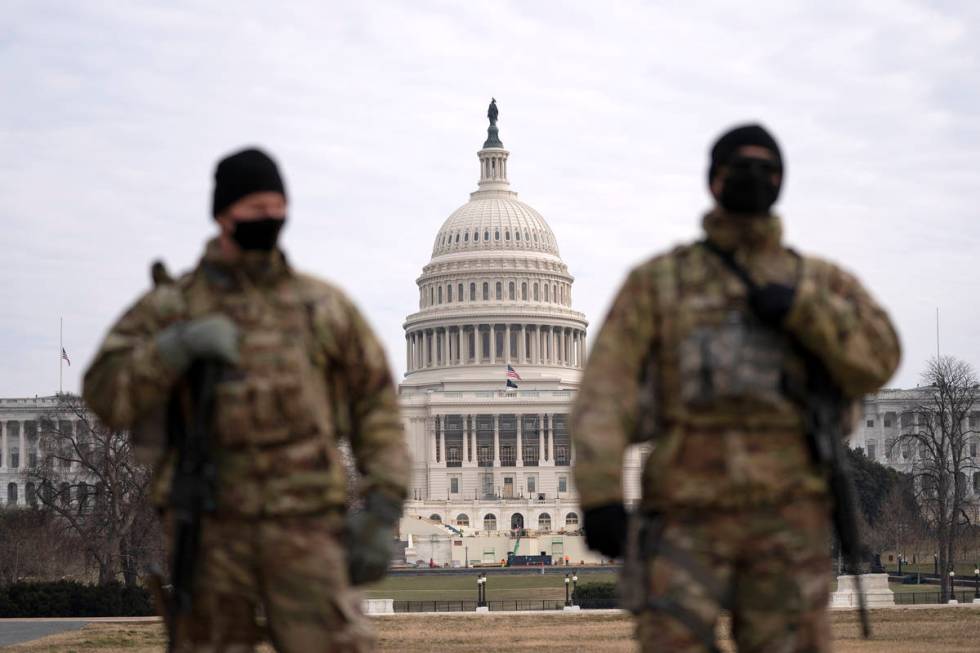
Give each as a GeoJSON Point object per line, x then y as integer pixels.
{"type": "Point", "coordinates": [605, 529]}
{"type": "Point", "coordinates": [772, 302]}
{"type": "Point", "coordinates": [370, 538]}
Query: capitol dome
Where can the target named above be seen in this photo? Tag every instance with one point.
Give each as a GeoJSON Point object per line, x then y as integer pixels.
{"type": "Point", "coordinates": [495, 292]}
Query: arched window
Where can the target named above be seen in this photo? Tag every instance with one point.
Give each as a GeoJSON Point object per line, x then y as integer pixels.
{"type": "Point", "coordinates": [554, 293]}
{"type": "Point", "coordinates": [546, 294]}
{"type": "Point", "coordinates": [472, 292]}
{"type": "Point", "coordinates": [486, 291]}
{"type": "Point", "coordinates": [976, 481]}
{"type": "Point", "coordinates": [490, 522]}
{"type": "Point", "coordinates": [499, 291]}
{"type": "Point", "coordinates": [526, 235]}
{"type": "Point", "coordinates": [459, 291]}
{"type": "Point", "coordinates": [510, 290]}
{"type": "Point", "coordinates": [457, 238]}
{"type": "Point", "coordinates": [535, 236]}
{"type": "Point", "coordinates": [435, 517]}
{"type": "Point", "coordinates": [517, 522]}
{"type": "Point", "coordinates": [486, 235]}
{"type": "Point", "coordinates": [31, 494]}
{"type": "Point", "coordinates": [524, 290]}
{"type": "Point", "coordinates": [496, 234]}
{"type": "Point", "coordinates": [571, 519]}
{"type": "Point", "coordinates": [507, 235]}
{"type": "Point", "coordinates": [544, 522]}
{"type": "Point", "coordinates": [462, 519]}
{"type": "Point", "coordinates": [440, 294]}
{"type": "Point", "coordinates": [12, 493]}
{"type": "Point", "coordinates": [535, 292]}
{"type": "Point", "coordinates": [563, 293]}
{"type": "Point", "coordinates": [432, 296]}
{"type": "Point", "coordinates": [466, 237]}
{"type": "Point", "coordinates": [517, 235]}
{"type": "Point", "coordinates": [449, 294]}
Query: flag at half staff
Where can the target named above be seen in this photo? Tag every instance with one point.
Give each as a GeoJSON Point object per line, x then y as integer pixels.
{"type": "Point", "coordinates": [64, 356]}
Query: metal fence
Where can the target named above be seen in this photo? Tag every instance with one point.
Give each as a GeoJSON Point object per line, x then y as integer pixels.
{"type": "Point", "coordinates": [494, 606]}
{"type": "Point", "coordinates": [925, 598]}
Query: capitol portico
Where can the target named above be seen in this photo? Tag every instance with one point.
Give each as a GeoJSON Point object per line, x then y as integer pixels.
{"type": "Point", "coordinates": [496, 293]}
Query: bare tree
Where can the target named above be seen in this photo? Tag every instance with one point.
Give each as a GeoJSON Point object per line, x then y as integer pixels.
{"type": "Point", "coordinates": [86, 475]}
{"type": "Point", "coordinates": [939, 433]}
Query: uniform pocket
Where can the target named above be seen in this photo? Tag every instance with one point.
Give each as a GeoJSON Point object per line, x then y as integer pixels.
{"type": "Point", "coordinates": [231, 413]}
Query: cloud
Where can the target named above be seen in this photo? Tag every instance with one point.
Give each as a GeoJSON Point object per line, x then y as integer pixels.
{"type": "Point", "coordinates": [118, 112]}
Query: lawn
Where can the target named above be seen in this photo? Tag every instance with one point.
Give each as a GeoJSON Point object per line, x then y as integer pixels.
{"type": "Point", "coordinates": [951, 630]}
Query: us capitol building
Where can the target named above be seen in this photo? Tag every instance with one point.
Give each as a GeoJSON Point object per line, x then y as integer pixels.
{"type": "Point", "coordinates": [489, 458]}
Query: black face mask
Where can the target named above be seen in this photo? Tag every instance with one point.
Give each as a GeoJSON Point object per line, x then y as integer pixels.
{"type": "Point", "coordinates": [261, 234]}
{"type": "Point", "coordinates": [748, 186]}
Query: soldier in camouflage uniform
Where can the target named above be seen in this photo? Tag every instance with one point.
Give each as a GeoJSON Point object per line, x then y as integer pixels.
{"type": "Point", "coordinates": [734, 515]}
{"type": "Point", "coordinates": [301, 371]}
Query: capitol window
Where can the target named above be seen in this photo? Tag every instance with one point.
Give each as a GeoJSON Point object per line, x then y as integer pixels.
{"type": "Point", "coordinates": [544, 522]}
{"type": "Point", "coordinates": [440, 294]}
{"type": "Point", "coordinates": [517, 235]}
{"type": "Point", "coordinates": [563, 483]}
{"type": "Point", "coordinates": [510, 290]}
{"type": "Point", "coordinates": [524, 290]}
{"type": "Point", "coordinates": [872, 449]}
{"type": "Point", "coordinates": [535, 292]}
{"type": "Point", "coordinates": [546, 295]}
{"type": "Point", "coordinates": [459, 292]}
{"type": "Point", "coordinates": [466, 237]}
{"type": "Point", "coordinates": [486, 235]}
{"type": "Point", "coordinates": [472, 292]}
{"type": "Point", "coordinates": [11, 493]}
{"type": "Point", "coordinates": [500, 291]}
{"type": "Point", "coordinates": [449, 294]}
{"type": "Point", "coordinates": [490, 522]}
{"type": "Point", "coordinates": [571, 519]}
{"type": "Point", "coordinates": [486, 291]}
{"type": "Point", "coordinates": [457, 238]}
{"type": "Point", "coordinates": [462, 519]}
{"type": "Point", "coordinates": [496, 235]}
{"type": "Point", "coordinates": [507, 235]}
{"type": "Point", "coordinates": [454, 485]}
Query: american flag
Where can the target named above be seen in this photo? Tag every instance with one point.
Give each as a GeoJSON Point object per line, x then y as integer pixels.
{"type": "Point", "coordinates": [512, 377]}
{"type": "Point", "coordinates": [64, 356]}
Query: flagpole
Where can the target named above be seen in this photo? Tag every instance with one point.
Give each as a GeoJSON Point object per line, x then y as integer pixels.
{"type": "Point", "coordinates": [61, 348]}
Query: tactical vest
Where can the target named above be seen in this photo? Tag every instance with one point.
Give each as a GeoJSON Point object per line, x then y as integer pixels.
{"type": "Point", "coordinates": [274, 416]}
{"type": "Point", "coordinates": [726, 395]}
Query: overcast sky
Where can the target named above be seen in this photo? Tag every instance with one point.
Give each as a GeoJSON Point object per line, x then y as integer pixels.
{"type": "Point", "coordinates": [115, 113]}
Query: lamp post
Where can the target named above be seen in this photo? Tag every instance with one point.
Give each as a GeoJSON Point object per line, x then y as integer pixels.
{"type": "Point", "coordinates": [568, 600]}
{"type": "Point", "coordinates": [899, 564]}
{"type": "Point", "coordinates": [935, 564]}
{"type": "Point", "coordinates": [952, 575]}
{"type": "Point", "coordinates": [976, 581]}
{"type": "Point", "coordinates": [574, 587]}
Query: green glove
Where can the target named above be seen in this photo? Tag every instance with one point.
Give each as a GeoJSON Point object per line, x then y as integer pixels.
{"type": "Point", "coordinates": [210, 337]}
{"type": "Point", "coordinates": [370, 538]}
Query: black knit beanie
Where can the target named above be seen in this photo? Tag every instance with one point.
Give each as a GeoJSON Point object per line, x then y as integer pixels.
{"type": "Point", "coordinates": [242, 173]}
{"type": "Point", "coordinates": [729, 142]}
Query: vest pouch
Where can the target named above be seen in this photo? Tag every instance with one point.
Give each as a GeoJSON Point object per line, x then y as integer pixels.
{"type": "Point", "coordinates": [232, 421]}
{"type": "Point", "coordinates": [736, 361]}
{"type": "Point", "coordinates": [294, 405]}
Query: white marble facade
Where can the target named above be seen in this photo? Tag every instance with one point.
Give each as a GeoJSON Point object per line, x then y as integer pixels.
{"type": "Point", "coordinates": [20, 428]}
{"type": "Point", "coordinates": [496, 292]}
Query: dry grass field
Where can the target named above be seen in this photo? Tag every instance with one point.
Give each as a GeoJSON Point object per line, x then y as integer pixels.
{"type": "Point", "coordinates": [949, 630]}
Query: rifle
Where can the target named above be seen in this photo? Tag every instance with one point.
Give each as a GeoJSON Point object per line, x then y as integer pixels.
{"type": "Point", "coordinates": [192, 490]}
{"type": "Point", "coordinates": [825, 407]}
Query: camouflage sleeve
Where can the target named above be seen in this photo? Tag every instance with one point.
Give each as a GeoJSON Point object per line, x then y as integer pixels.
{"type": "Point", "coordinates": [127, 378]}
{"type": "Point", "coordinates": [836, 319]}
{"type": "Point", "coordinates": [369, 413]}
{"type": "Point", "coordinates": [604, 418]}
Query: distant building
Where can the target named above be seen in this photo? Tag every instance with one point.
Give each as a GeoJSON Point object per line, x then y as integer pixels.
{"type": "Point", "coordinates": [20, 441]}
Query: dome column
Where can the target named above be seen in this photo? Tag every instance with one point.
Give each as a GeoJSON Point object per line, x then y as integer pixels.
{"type": "Point", "coordinates": [507, 345]}
{"type": "Point", "coordinates": [519, 462]}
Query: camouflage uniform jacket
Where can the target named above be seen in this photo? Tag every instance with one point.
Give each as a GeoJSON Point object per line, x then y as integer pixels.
{"type": "Point", "coordinates": [311, 372]}
{"type": "Point", "coordinates": [682, 362]}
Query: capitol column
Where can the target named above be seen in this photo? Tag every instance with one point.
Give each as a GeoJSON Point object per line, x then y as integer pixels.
{"type": "Point", "coordinates": [507, 343]}
{"type": "Point", "coordinates": [493, 343]}
{"type": "Point", "coordinates": [425, 349]}
{"type": "Point", "coordinates": [551, 440]}
{"type": "Point", "coordinates": [445, 346]}
{"type": "Point", "coordinates": [521, 334]}
{"type": "Point", "coordinates": [23, 446]}
{"type": "Point", "coordinates": [496, 441]}
{"type": "Point", "coordinates": [442, 439]}
{"type": "Point", "coordinates": [3, 446]}
{"type": "Point", "coordinates": [540, 440]}
{"type": "Point", "coordinates": [477, 344]}
{"type": "Point", "coordinates": [520, 441]}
